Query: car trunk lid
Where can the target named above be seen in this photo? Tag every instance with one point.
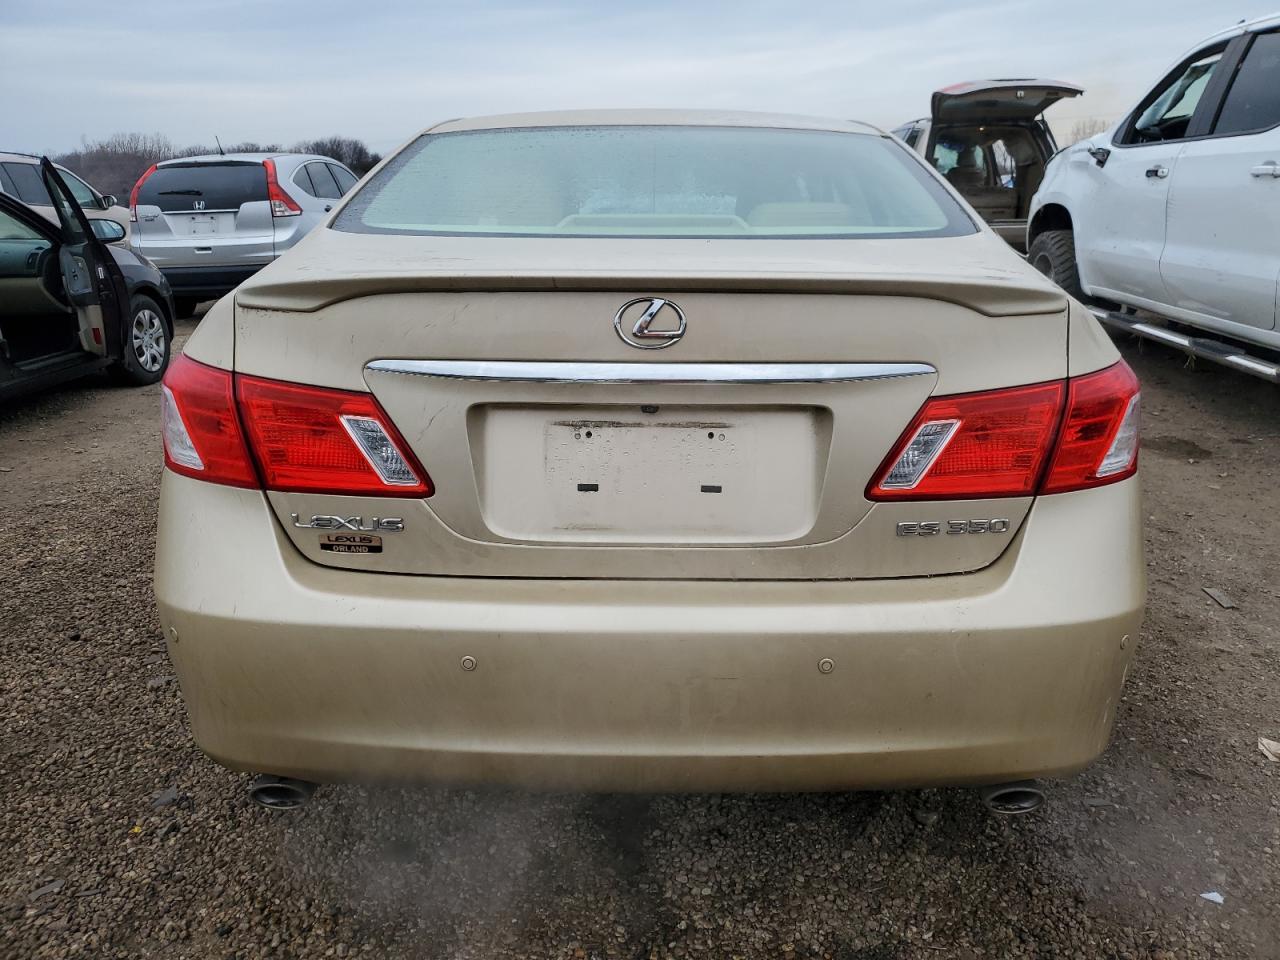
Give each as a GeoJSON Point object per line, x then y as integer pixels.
{"type": "Point", "coordinates": [999, 101]}
{"type": "Point", "coordinates": [557, 449]}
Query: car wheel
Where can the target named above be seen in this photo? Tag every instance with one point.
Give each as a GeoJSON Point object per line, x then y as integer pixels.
{"type": "Point", "coordinates": [1053, 253]}
{"type": "Point", "coordinates": [185, 307]}
{"type": "Point", "coordinates": [147, 343]}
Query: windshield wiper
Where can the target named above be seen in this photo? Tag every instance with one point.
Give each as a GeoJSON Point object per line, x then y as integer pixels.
{"type": "Point", "coordinates": [182, 193]}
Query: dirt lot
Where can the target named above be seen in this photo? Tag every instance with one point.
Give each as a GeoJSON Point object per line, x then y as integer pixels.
{"type": "Point", "coordinates": [119, 839]}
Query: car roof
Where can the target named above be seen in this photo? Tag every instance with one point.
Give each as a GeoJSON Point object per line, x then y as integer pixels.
{"type": "Point", "coordinates": [681, 118]}
{"type": "Point", "coordinates": [7, 156]}
{"type": "Point", "coordinates": [1244, 26]}
{"type": "Point", "coordinates": [240, 157]}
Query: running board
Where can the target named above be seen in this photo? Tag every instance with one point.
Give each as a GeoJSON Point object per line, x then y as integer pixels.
{"type": "Point", "coordinates": [1216, 351]}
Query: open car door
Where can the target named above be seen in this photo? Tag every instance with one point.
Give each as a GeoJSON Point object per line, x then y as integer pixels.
{"type": "Point", "coordinates": [93, 283]}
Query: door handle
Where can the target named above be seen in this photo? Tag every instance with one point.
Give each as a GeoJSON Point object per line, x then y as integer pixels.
{"type": "Point", "coordinates": [1157, 172]}
{"type": "Point", "coordinates": [1268, 169]}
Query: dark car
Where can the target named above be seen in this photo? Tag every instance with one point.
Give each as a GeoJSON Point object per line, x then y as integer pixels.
{"type": "Point", "coordinates": [72, 301]}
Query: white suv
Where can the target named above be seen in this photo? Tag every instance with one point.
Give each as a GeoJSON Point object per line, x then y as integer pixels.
{"type": "Point", "coordinates": [1176, 209]}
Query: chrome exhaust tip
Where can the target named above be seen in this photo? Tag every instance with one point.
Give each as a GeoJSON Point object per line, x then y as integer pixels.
{"type": "Point", "coordinates": [1012, 799]}
{"type": "Point", "coordinates": [280, 793]}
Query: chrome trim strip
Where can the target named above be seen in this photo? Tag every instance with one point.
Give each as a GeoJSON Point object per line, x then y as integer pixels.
{"type": "Point", "coordinates": [536, 371]}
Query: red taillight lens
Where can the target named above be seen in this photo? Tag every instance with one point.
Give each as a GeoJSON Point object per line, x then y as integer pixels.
{"type": "Point", "coordinates": [304, 439]}
{"type": "Point", "coordinates": [974, 445]}
{"type": "Point", "coordinates": [133, 194]}
{"type": "Point", "coordinates": [998, 443]}
{"type": "Point", "coordinates": [1099, 439]}
{"type": "Point", "coordinates": [282, 204]}
{"type": "Point", "coordinates": [309, 439]}
{"type": "Point", "coordinates": [202, 437]}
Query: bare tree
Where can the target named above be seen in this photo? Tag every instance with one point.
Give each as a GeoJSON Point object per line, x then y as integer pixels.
{"type": "Point", "coordinates": [345, 150]}
{"type": "Point", "coordinates": [114, 165]}
{"type": "Point", "coordinates": [1085, 128]}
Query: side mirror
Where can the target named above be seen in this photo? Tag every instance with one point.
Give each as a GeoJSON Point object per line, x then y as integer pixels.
{"type": "Point", "coordinates": [109, 201]}
{"type": "Point", "coordinates": [108, 231]}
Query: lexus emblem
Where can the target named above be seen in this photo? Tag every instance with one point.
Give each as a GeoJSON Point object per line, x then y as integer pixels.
{"type": "Point", "coordinates": [647, 311]}
{"type": "Point", "coordinates": [197, 204]}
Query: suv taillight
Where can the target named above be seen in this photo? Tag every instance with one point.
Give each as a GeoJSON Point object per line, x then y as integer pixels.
{"type": "Point", "coordinates": [282, 205]}
{"type": "Point", "coordinates": [1017, 441]}
{"type": "Point", "coordinates": [133, 194]}
{"type": "Point", "coordinates": [250, 432]}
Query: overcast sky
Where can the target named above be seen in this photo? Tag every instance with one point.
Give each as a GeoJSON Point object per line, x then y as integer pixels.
{"type": "Point", "coordinates": [382, 69]}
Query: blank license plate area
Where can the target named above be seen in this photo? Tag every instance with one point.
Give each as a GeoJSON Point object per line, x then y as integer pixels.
{"type": "Point", "coordinates": [678, 475]}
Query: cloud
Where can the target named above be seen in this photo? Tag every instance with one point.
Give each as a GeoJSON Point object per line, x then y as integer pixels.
{"type": "Point", "coordinates": [289, 70]}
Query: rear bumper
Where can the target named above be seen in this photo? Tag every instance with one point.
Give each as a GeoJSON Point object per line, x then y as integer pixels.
{"type": "Point", "coordinates": [296, 669]}
{"type": "Point", "coordinates": [207, 282]}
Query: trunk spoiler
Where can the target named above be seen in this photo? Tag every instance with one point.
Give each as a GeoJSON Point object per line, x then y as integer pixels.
{"type": "Point", "coordinates": [993, 296]}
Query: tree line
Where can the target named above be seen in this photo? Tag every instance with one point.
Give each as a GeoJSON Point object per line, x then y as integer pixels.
{"type": "Point", "coordinates": [113, 165]}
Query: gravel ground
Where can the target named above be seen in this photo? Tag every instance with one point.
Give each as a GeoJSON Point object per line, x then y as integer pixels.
{"type": "Point", "coordinates": [119, 839]}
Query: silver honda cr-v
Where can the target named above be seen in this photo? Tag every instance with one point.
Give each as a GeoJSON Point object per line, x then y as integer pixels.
{"type": "Point", "coordinates": [210, 222]}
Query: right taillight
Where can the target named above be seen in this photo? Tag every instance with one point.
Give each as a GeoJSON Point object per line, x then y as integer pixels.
{"type": "Point", "coordinates": [1098, 442]}
{"type": "Point", "coordinates": [1019, 441]}
{"type": "Point", "coordinates": [250, 432]}
{"type": "Point", "coordinates": [282, 205]}
{"type": "Point", "coordinates": [133, 194]}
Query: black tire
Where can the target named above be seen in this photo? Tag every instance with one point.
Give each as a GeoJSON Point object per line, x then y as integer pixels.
{"type": "Point", "coordinates": [1053, 253]}
{"type": "Point", "coordinates": [148, 339]}
{"type": "Point", "coordinates": [185, 307]}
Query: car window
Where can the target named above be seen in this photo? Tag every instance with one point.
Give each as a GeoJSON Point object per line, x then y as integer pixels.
{"type": "Point", "coordinates": [83, 193]}
{"type": "Point", "coordinates": [11, 228]}
{"type": "Point", "coordinates": [323, 181]}
{"type": "Point", "coordinates": [674, 181]}
{"type": "Point", "coordinates": [302, 181]}
{"type": "Point", "coordinates": [215, 186]}
{"type": "Point", "coordinates": [346, 179]}
{"type": "Point", "coordinates": [27, 185]}
{"type": "Point", "coordinates": [1169, 114]}
{"type": "Point", "coordinates": [1253, 102]}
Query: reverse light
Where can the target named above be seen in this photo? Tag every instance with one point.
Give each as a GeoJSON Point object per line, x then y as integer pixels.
{"type": "Point", "coordinates": [133, 194]}
{"type": "Point", "coordinates": [251, 432]}
{"type": "Point", "coordinates": [282, 205]}
{"type": "Point", "coordinates": [1044, 438]}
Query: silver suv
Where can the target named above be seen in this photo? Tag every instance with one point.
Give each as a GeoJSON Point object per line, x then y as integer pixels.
{"type": "Point", "coordinates": [210, 222]}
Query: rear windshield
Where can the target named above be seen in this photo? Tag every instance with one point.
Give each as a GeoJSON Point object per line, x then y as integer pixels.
{"type": "Point", "coordinates": [655, 181]}
{"type": "Point", "coordinates": [219, 186]}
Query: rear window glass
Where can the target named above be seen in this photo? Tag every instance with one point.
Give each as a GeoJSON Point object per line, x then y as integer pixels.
{"type": "Point", "coordinates": [28, 183]}
{"type": "Point", "coordinates": [637, 181]}
{"type": "Point", "coordinates": [219, 186]}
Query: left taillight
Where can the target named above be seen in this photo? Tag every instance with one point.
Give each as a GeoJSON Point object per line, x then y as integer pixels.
{"type": "Point", "coordinates": [133, 194]}
{"type": "Point", "coordinates": [202, 435]}
{"type": "Point", "coordinates": [251, 432]}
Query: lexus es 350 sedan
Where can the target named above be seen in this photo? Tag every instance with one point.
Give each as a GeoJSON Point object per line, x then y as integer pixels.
{"type": "Point", "coordinates": [651, 451]}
